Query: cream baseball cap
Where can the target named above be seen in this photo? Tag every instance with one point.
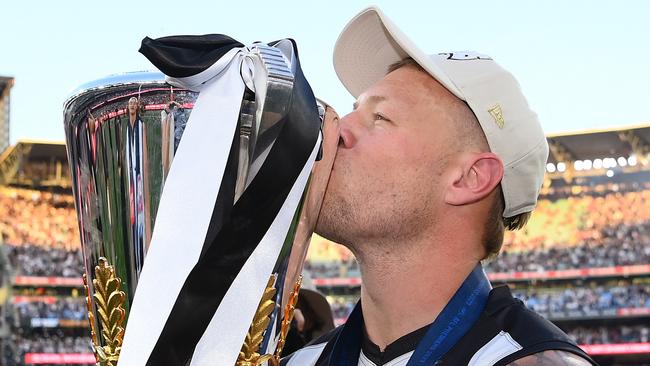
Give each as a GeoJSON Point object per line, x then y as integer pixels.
{"type": "Point", "coordinates": [371, 42]}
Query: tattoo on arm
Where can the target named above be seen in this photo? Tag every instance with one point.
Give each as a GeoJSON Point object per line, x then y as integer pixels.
{"type": "Point", "coordinates": [549, 358]}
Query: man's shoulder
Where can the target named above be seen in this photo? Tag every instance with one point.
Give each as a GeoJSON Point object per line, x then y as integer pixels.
{"type": "Point", "coordinates": [523, 323]}
{"type": "Point", "coordinates": [533, 339]}
{"type": "Point", "coordinates": [551, 357]}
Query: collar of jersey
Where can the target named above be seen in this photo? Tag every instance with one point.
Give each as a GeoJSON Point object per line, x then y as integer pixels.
{"type": "Point", "coordinates": [457, 317]}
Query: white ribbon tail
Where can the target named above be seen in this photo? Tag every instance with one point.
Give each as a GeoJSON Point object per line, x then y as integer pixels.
{"type": "Point", "coordinates": [186, 206]}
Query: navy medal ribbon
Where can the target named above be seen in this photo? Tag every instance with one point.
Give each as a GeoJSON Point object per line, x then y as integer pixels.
{"type": "Point", "coordinates": [455, 320]}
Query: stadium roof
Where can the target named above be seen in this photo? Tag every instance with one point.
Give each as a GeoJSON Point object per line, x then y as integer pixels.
{"type": "Point", "coordinates": [589, 146]}
{"type": "Point", "coordinates": [45, 150]}
{"type": "Point", "coordinates": [600, 143]}
{"type": "Point", "coordinates": [16, 159]}
{"type": "Point", "coordinates": [5, 83]}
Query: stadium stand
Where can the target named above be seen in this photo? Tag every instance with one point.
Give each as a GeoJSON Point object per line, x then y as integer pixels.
{"type": "Point", "coordinates": [583, 261]}
{"type": "Point", "coordinates": [602, 335]}
{"type": "Point", "coordinates": [45, 313]}
{"type": "Point", "coordinates": [6, 83]}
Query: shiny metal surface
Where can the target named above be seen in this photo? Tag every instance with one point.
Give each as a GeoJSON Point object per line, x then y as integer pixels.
{"type": "Point", "coordinates": [263, 109]}
{"type": "Point", "coordinates": [121, 133]}
{"type": "Point", "coordinates": [119, 139]}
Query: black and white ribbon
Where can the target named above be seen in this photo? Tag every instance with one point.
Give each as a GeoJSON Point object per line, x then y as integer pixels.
{"type": "Point", "coordinates": [210, 257]}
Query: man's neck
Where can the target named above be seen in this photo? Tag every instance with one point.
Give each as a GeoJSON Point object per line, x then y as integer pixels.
{"type": "Point", "coordinates": [404, 292]}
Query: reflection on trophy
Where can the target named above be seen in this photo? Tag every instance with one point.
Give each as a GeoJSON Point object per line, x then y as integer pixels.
{"type": "Point", "coordinates": [224, 248]}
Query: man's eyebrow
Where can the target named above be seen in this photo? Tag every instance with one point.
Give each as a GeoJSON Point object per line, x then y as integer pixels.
{"type": "Point", "coordinates": [370, 99]}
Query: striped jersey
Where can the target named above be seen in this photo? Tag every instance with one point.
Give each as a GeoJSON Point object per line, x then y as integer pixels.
{"type": "Point", "coordinates": [505, 331]}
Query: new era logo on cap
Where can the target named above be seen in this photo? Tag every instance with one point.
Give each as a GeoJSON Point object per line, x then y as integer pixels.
{"type": "Point", "coordinates": [497, 114]}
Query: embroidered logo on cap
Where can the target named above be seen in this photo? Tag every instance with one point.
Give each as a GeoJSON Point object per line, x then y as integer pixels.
{"type": "Point", "coordinates": [465, 55]}
{"type": "Point", "coordinates": [497, 114]}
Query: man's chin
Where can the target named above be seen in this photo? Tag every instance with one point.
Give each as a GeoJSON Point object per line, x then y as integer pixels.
{"type": "Point", "coordinates": [337, 214]}
{"type": "Point", "coordinates": [323, 228]}
{"type": "Point", "coordinates": [330, 228]}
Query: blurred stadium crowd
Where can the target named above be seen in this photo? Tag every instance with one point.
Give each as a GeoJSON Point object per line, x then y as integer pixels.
{"type": "Point", "coordinates": [41, 219]}
{"type": "Point", "coordinates": [585, 301]}
{"type": "Point", "coordinates": [601, 229]}
{"type": "Point", "coordinates": [623, 334]}
{"type": "Point", "coordinates": [40, 232]}
{"type": "Point", "coordinates": [43, 341]}
{"type": "Point", "coordinates": [606, 229]}
{"type": "Point", "coordinates": [69, 308]}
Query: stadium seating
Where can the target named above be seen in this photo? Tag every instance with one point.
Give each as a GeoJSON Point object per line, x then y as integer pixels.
{"type": "Point", "coordinates": [598, 228]}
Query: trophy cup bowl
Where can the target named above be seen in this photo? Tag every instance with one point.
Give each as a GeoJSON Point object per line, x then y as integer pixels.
{"type": "Point", "coordinates": [122, 134]}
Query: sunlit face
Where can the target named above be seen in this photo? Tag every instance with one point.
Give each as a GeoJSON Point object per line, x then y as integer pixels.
{"type": "Point", "coordinates": [386, 181]}
{"type": "Point", "coordinates": [133, 105]}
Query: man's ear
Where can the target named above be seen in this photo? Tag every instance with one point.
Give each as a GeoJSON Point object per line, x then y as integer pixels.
{"type": "Point", "coordinates": [475, 179]}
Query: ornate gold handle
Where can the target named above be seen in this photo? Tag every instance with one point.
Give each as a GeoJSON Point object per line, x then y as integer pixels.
{"type": "Point", "coordinates": [249, 354]}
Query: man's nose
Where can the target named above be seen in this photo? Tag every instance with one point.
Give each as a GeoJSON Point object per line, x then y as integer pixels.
{"type": "Point", "coordinates": [352, 129]}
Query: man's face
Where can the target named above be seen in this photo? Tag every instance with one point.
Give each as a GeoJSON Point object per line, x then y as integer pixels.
{"type": "Point", "coordinates": [133, 105]}
{"type": "Point", "coordinates": [387, 179]}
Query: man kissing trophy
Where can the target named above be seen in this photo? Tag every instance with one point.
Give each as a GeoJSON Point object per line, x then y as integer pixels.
{"type": "Point", "coordinates": [202, 171]}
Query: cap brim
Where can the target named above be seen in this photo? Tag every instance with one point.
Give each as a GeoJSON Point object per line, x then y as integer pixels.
{"type": "Point", "coordinates": [369, 44]}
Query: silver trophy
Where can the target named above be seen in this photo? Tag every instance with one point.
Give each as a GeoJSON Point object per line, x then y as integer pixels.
{"type": "Point", "coordinates": [123, 133]}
